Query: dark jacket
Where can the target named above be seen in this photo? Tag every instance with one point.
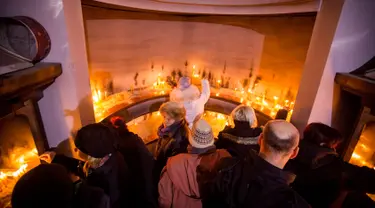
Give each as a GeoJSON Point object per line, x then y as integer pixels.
{"type": "Point", "coordinates": [86, 196]}
{"type": "Point", "coordinates": [171, 142]}
{"type": "Point", "coordinates": [322, 177]}
{"type": "Point", "coordinates": [141, 163]}
{"type": "Point", "coordinates": [239, 140]}
{"type": "Point", "coordinates": [113, 178]}
{"type": "Point", "coordinates": [251, 182]}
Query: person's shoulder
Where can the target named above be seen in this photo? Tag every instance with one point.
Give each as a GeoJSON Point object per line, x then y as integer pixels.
{"type": "Point", "coordinates": [181, 158]}
{"type": "Point", "coordinates": [290, 198]}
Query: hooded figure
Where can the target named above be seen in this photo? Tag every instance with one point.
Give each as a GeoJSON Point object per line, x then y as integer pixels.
{"type": "Point", "coordinates": [47, 185]}
{"type": "Point", "coordinates": [189, 95]}
{"type": "Point", "coordinates": [180, 179]}
{"type": "Point", "coordinates": [140, 162]}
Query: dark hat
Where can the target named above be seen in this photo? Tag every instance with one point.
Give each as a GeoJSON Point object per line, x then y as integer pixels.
{"type": "Point", "coordinates": [96, 140]}
{"type": "Point", "coordinates": [47, 185]}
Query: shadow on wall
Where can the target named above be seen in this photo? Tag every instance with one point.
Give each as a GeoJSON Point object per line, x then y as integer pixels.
{"type": "Point", "coordinates": [81, 116]}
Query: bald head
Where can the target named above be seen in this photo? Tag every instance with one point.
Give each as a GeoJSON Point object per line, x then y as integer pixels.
{"type": "Point", "coordinates": [280, 136]}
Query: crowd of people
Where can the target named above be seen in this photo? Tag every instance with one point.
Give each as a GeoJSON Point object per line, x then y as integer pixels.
{"type": "Point", "coordinates": [246, 166]}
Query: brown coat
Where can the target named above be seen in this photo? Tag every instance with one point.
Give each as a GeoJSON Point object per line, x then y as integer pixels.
{"type": "Point", "coordinates": [178, 186]}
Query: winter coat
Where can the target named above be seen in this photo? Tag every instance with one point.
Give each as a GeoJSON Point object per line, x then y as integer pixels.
{"type": "Point", "coordinates": [171, 142]}
{"type": "Point", "coordinates": [141, 163]}
{"type": "Point", "coordinates": [194, 108]}
{"type": "Point", "coordinates": [238, 141]}
{"type": "Point", "coordinates": [86, 196]}
{"type": "Point", "coordinates": [178, 186]}
{"type": "Point", "coordinates": [250, 182]}
{"type": "Point", "coordinates": [322, 178]}
{"type": "Point", "coordinates": [113, 178]}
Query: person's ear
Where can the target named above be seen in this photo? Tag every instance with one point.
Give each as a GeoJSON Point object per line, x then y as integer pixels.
{"type": "Point", "coordinates": [260, 140]}
{"type": "Point", "coordinates": [294, 153]}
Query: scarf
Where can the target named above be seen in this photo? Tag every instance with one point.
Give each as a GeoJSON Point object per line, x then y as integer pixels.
{"type": "Point", "coordinates": [169, 131]}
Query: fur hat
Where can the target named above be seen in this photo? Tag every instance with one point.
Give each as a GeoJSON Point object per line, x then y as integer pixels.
{"type": "Point", "coordinates": [185, 91]}
{"type": "Point", "coordinates": [47, 185]}
{"type": "Point", "coordinates": [96, 140]}
{"type": "Point", "coordinates": [201, 135]}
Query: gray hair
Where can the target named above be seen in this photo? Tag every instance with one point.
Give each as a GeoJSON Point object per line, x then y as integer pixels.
{"type": "Point", "coordinates": [246, 114]}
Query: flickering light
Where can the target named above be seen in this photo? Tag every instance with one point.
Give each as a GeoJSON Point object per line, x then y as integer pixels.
{"type": "Point", "coordinates": [241, 100]}
{"type": "Point", "coordinates": [356, 156]}
{"type": "Point", "coordinates": [275, 97]}
{"type": "Point", "coordinates": [158, 113]}
{"type": "Point", "coordinates": [95, 97]}
{"type": "Point", "coordinates": [217, 94]}
{"type": "Point", "coordinates": [265, 103]}
{"type": "Point", "coordinates": [193, 66]}
{"type": "Point", "coordinates": [219, 81]}
{"type": "Point", "coordinates": [273, 113]}
{"type": "Point", "coordinates": [286, 101]}
{"type": "Point", "coordinates": [257, 98]}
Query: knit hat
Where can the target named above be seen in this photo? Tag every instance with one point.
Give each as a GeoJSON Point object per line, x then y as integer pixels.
{"type": "Point", "coordinates": [201, 135]}
{"type": "Point", "coordinates": [96, 140]}
{"type": "Point", "coordinates": [184, 83]}
{"type": "Point", "coordinates": [47, 185]}
{"type": "Point", "coordinates": [185, 91]}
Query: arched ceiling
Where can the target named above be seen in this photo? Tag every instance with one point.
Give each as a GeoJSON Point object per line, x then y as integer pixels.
{"type": "Point", "coordinates": [226, 7]}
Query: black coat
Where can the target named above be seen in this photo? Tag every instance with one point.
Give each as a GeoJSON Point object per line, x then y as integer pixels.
{"type": "Point", "coordinates": [141, 163]}
{"type": "Point", "coordinates": [322, 177]}
{"type": "Point", "coordinates": [171, 143]}
{"type": "Point", "coordinates": [250, 182]}
{"type": "Point", "coordinates": [86, 196]}
{"type": "Point", "coordinates": [113, 177]}
{"type": "Point", "coordinates": [238, 141]}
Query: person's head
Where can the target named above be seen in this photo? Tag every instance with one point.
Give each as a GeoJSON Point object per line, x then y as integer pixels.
{"type": "Point", "coordinates": [185, 91]}
{"type": "Point", "coordinates": [47, 185]}
{"type": "Point", "coordinates": [95, 140]}
{"type": "Point", "coordinates": [243, 113]}
{"type": "Point", "coordinates": [118, 122]}
{"type": "Point", "coordinates": [201, 135]}
{"type": "Point", "coordinates": [322, 135]}
{"type": "Point", "coordinates": [279, 139]}
{"type": "Point", "coordinates": [172, 112]}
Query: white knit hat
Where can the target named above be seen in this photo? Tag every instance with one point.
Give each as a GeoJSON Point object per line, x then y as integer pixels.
{"type": "Point", "coordinates": [201, 135]}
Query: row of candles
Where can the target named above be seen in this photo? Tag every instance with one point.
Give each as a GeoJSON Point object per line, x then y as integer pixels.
{"type": "Point", "coordinates": [248, 97]}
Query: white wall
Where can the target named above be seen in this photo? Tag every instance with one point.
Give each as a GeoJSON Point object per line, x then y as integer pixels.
{"type": "Point", "coordinates": [353, 45]}
{"type": "Point", "coordinates": [63, 101]}
{"type": "Point", "coordinates": [132, 45]}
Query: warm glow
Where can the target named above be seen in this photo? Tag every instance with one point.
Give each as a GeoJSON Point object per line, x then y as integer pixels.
{"type": "Point", "coordinates": [193, 66]}
{"type": "Point", "coordinates": [265, 103]}
{"type": "Point", "coordinates": [275, 97]}
{"type": "Point", "coordinates": [241, 100]}
{"type": "Point", "coordinates": [95, 97]}
{"type": "Point", "coordinates": [217, 94]}
{"type": "Point", "coordinates": [21, 161]}
{"type": "Point", "coordinates": [219, 81]}
{"type": "Point", "coordinates": [356, 156]}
